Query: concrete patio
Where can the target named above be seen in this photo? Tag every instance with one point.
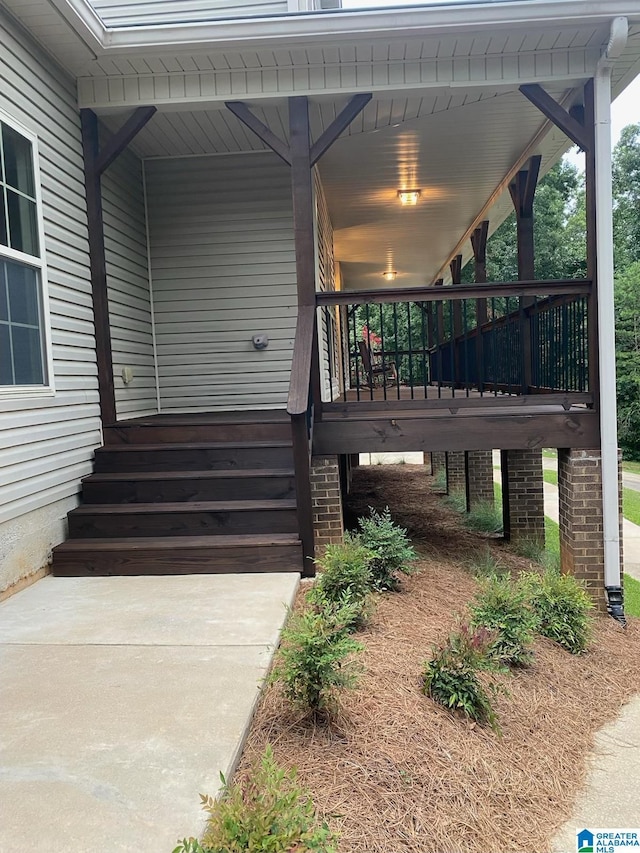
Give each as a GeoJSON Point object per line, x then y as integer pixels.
{"type": "Point", "coordinates": [121, 699]}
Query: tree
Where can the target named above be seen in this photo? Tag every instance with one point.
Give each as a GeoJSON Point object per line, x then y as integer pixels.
{"type": "Point", "coordinates": [626, 197]}
{"type": "Point", "coordinates": [628, 359]}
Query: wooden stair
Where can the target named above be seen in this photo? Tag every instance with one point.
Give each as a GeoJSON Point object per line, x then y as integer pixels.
{"type": "Point", "coordinates": [175, 495]}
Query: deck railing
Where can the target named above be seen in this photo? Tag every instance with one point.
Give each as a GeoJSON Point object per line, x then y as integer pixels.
{"type": "Point", "coordinates": [425, 344]}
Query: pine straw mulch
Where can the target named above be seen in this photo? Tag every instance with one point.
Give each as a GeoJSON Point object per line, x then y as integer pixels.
{"type": "Point", "coordinates": [394, 771]}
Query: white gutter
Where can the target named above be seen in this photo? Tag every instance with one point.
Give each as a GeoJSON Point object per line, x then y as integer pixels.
{"type": "Point", "coordinates": [606, 315]}
{"type": "Point", "coordinates": [345, 24]}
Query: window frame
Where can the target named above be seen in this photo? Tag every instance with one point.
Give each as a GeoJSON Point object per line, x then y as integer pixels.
{"type": "Point", "coordinates": [10, 392]}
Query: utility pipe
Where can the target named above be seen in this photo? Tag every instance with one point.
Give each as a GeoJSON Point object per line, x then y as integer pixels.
{"type": "Point", "coordinates": [606, 318]}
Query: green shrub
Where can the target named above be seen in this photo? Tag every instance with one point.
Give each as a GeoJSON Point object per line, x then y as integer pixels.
{"type": "Point", "coordinates": [457, 501]}
{"type": "Point", "coordinates": [502, 606]}
{"type": "Point", "coordinates": [485, 517]}
{"type": "Point", "coordinates": [353, 612]}
{"type": "Point", "coordinates": [312, 661]}
{"type": "Point", "coordinates": [530, 549]}
{"type": "Point", "coordinates": [561, 606]}
{"type": "Point", "coordinates": [391, 548]}
{"type": "Point", "coordinates": [483, 564]}
{"type": "Point", "coordinates": [269, 814]}
{"type": "Point", "coordinates": [451, 676]}
{"type": "Point", "coordinates": [440, 481]}
{"type": "Point", "coordinates": [345, 582]}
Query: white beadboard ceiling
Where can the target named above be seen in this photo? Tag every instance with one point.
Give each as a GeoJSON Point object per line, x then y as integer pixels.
{"type": "Point", "coordinates": [455, 146]}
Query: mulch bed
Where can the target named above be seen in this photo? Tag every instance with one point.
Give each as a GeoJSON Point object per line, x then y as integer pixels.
{"type": "Point", "coordinates": [393, 771]}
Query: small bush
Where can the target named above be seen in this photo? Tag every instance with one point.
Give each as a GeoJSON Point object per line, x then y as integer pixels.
{"type": "Point", "coordinates": [312, 660]}
{"type": "Point", "coordinates": [502, 606]}
{"type": "Point", "coordinates": [270, 812]}
{"type": "Point", "coordinates": [391, 548]}
{"type": "Point", "coordinates": [451, 676]}
{"type": "Point", "coordinates": [440, 481]}
{"type": "Point", "coordinates": [530, 549]}
{"type": "Point", "coordinates": [483, 564]}
{"type": "Point", "coordinates": [485, 517]}
{"type": "Point", "coordinates": [345, 582]}
{"type": "Point", "coordinates": [561, 606]}
{"type": "Point", "coordinates": [457, 501]}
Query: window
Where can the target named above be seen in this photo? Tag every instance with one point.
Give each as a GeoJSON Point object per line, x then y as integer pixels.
{"type": "Point", "coordinates": [23, 361]}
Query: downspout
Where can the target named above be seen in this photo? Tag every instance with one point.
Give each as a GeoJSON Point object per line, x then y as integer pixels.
{"type": "Point", "coordinates": [606, 318]}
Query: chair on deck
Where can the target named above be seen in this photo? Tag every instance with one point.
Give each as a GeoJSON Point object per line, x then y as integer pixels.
{"type": "Point", "coordinates": [374, 368]}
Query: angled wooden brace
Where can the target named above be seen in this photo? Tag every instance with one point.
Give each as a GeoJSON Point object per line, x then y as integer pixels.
{"type": "Point", "coordinates": [557, 114]}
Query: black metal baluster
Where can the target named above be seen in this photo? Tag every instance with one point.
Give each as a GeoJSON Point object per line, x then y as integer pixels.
{"type": "Point", "coordinates": [383, 357]}
{"type": "Point", "coordinates": [424, 348]}
{"type": "Point", "coordinates": [396, 348]}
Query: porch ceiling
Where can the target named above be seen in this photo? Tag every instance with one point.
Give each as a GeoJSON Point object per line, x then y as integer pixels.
{"type": "Point", "coordinates": [457, 146]}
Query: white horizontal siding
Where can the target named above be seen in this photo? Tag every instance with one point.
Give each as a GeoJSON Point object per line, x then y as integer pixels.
{"type": "Point", "coordinates": [129, 293]}
{"type": "Point", "coordinates": [125, 13]}
{"type": "Point", "coordinates": [223, 269]}
{"type": "Point", "coordinates": [47, 442]}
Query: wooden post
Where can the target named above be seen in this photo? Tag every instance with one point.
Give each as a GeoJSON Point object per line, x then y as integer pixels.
{"type": "Point", "coordinates": [479, 246]}
{"type": "Point", "coordinates": [522, 190]}
{"type": "Point", "coordinates": [456, 308]}
{"type": "Point", "coordinates": [95, 163]}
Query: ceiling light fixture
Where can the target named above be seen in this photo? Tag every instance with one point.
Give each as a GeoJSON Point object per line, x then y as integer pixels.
{"type": "Point", "coordinates": [390, 275]}
{"type": "Point", "coordinates": [408, 198]}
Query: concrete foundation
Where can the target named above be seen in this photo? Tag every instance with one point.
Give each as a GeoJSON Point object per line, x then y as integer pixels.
{"type": "Point", "coordinates": [26, 543]}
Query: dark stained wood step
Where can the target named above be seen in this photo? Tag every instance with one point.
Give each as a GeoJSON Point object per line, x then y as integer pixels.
{"type": "Point", "coordinates": [161, 432]}
{"type": "Point", "coordinates": [183, 519]}
{"type": "Point", "coordinates": [173, 486]}
{"type": "Point", "coordinates": [178, 555]}
{"type": "Point", "coordinates": [194, 456]}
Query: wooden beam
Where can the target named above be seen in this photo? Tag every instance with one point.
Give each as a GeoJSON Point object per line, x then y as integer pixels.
{"type": "Point", "coordinates": [98, 266]}
{"type": "Point", "coordinates": [242, 112]}
{"type": "Point", "coordinates": [479, 245]}
{"type": "Point", "coordinates": [556, 114]}
{"type": "Point", "coordinates": [389, 433]}
{"type": "Point", "coordinates": [569, 287]}
{"type": "Point", "coordinates": [340, 123]}
{"type": "Point", "coordinates": [531, 183]}
{"type": "Point", "coordinates": [114, 147]}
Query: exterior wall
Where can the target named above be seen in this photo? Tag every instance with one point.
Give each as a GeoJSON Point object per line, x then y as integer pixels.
{"type": "Point", "coordinates": [580, 517]}
{"type": "Point", "coordinates": [223, 269]}
{"type": "Point", "coordinates": [127, 13]}
{"type": "Point", "coordinates": [326, 498]}
{"type": "Point", "coordinates": [47, 440]}
{"type": "Point", "coordinates": [128, 283]}
{"type": "Point", "coordinates": [328, 319]}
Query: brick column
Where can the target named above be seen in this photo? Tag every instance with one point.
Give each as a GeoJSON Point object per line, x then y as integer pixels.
{"type": "Point", "coordinates": [522, 495]}
{"type": "Point", "coordinates": [426, 461]}
{"type": "Point", "coordinates": [326, 497]}
{"type": "Point", "coordinates": [456, 474]}
{"type": "Point", "coordinates": [438, 462]}
{"type": "Point", "coordinates": [581, 523]}
{"type": "Point", "coordinates": [479, 477]}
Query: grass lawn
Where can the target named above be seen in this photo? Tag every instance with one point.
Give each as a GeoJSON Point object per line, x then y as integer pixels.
{"type": "Point", "coordinates": [632, 467]}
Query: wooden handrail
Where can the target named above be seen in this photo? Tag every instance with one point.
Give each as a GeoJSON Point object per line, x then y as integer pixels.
{"type": "Point", "coordinates": [560, 287]}
{"type": "Point", "coordinates": [298, 400]}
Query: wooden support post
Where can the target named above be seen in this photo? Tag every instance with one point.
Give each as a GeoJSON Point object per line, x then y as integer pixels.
{"type": "Point", "coordinates": [95, 163]}
{"type": "Point", "coordinates": [479, 246]}
{"type": "Point", "coordinates": [302, 155]}
{"type": "Point", "coordinates": [522, 190]}
{"type": "Point", "coordinates": [456, 308]}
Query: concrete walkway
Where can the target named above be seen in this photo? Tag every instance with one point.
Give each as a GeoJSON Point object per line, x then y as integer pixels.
{"type": "Point", "coordinates": [121, 699]}
{"type": "Point", "coordinates": [611, 796]}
